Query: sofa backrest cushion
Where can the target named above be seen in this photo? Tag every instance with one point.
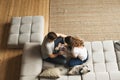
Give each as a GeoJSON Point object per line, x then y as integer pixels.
{"type": "Point", "coordinates": [102, 57]}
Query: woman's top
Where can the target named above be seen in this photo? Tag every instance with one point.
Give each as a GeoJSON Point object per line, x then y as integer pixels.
{"type": "Point", "coordinates": [80, 52]}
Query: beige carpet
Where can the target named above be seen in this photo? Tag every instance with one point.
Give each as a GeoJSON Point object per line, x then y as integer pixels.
{"type": "Point", "coordinates": [88, 19]}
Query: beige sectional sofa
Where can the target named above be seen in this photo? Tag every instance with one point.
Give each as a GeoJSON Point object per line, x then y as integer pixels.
{"type": "Point", "coordinates": [103, 62]}
{"type": "Point", "coordinates": [25, 29]}
{"type": "Point", "coordinates": [104, 59]}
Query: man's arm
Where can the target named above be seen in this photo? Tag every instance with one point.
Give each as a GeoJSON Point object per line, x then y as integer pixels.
{"type": "Point", "coordinates": [49, 47]}
{"type": "Point", "coordinates": [53, 55]}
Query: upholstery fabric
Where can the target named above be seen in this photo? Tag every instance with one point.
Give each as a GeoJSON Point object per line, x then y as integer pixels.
{"type": "Point", "coordinates": [26, 29]}
{"type": "Point", "coordinates": [102, 76]}
{"type": "Point", "coordinates": [28, 78]}
{"type": "Point", "coordinates": [103, 62]}
{"type": "Point", "coordinates": [114, 75]}
{"type": "Point", "coordinates": [31, 61]}
{"type": "Point", "coordinates": [89, 76]}
{"type": "Point", "coordinates": [75, 77]}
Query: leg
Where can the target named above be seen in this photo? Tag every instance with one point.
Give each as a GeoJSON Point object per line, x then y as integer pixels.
{"type": "Point", "coordinates": [58, 60]}
{"type": "Point", "coordinates": [74, 61]}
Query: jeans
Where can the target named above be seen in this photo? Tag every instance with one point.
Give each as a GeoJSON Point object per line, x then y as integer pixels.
{"type": "Point", "coordinates": [57, 60]}
{"type": "Point", "coordinates": [75, 61]}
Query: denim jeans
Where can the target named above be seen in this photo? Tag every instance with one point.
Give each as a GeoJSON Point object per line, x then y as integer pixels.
{"type": "Point", "coordinates": [57, 60]}
{"type": "Point", "coordinates": [75, 61]}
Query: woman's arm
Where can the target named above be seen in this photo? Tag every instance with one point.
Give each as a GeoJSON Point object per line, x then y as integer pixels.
{"type": "Point", "coordinates": [74, 52]}
{"type": "Point", "coordinates": [74, 55]}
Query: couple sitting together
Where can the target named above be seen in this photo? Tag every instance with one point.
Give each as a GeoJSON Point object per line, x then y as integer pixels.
{"type": "Point", "coordinates": [56, 46]}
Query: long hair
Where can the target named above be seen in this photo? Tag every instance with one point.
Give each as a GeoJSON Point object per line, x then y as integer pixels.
{"type": "Point", "coordinates": [74, 41]}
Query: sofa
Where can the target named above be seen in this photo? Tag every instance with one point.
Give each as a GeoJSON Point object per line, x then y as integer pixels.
{"type": "Point", "coordinates": [25, 29]}
{"type": "Point", "coordinates": [104, 62]}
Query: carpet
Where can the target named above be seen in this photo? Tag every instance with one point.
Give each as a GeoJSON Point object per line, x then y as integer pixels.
{"type": "Point", "coordinates": [89, 19]}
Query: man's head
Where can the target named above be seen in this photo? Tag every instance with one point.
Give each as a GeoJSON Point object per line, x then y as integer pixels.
{"type": "Point", "coordinates": [51, 36]}
{"type": "Point", "coordinates": [68, 40]}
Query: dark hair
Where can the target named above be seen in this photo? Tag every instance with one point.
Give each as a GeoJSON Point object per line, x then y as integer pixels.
{"type": "Point", "coordinates": [51, 35]}
{"type": "Point", "coordinates": [68, 40]}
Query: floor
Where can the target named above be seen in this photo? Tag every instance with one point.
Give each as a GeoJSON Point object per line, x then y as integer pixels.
{"type": "Point", "coordinates": [10, 59]}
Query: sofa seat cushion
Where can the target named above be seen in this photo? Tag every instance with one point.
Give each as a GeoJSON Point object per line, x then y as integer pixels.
{"type": "Point", "coordinates": [96, 76]}
{"type": "Point", "coordinates": [26, 29]}
{"type": "Point", "coordinates": [64, 77]}
{"type": "Point", "coordinates": [114, 75]}
{"type": "Point", "coordinates": [103, 62]}
{"type": "Point", "coordinates": [31, 60]}
{"type": "Point", "coordinates": [89, 76]}
{"type": "Point", "coordinates": [29, 78]}
{"type": "Point", "coordinates": [75, 77]}
{"type": "Point", "coordinates": [28, 70]}
{"type": "Point", "coordinates": [102, 76]}
{"type": "Point", "coordinates": [31, 53]}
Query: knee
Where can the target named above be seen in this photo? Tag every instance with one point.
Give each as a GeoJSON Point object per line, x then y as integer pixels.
{"type": "Point", "coordinates": [61, 61]}
{"type": "Point", "coordinates": [74, 63]}
{"type": "Point", "coordinates": [71, 64]}
{"type": "Point", "coordinates": [64, 62]}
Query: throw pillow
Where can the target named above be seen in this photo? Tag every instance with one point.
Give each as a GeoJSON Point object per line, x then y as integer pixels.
{"type": "Point", "coordinates": [51, 73]}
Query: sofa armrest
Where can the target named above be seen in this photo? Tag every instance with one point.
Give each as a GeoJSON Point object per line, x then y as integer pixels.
{"type": "Point", "coordinates": [31, 60]}
{"type": "Point", "coordinates": [117, 50]}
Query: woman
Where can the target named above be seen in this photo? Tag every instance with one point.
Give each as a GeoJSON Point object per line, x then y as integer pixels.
{"type": "Point", "coordinates": [78, 51]}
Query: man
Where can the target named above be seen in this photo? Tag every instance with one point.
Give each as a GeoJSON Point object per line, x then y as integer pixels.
{"type": "Point", "coordinates": [48, 47]}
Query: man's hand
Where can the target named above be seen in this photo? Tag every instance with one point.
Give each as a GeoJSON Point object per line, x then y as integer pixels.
{"type": "Point", "coordinates": [61, 53]}
{"type": "Point", "coordinates": [53, 55]}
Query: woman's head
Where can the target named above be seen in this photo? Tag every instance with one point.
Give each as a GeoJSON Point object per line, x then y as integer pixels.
{"type": "Point", "coordinates": [74, 41]}
{"type": "Point", "coordinates": [51, 36]}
